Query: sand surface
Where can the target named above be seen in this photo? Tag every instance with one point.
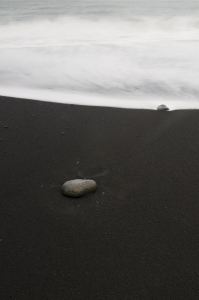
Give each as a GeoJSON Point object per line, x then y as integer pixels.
{"type": "Point", "coordinates": [136, 237]}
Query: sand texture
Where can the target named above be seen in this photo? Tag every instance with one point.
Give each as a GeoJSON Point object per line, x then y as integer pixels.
{"type": "Point", "coordinates": [136, 237]}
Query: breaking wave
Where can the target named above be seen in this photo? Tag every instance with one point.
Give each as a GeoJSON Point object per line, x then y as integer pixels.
{"type": "Point", "coordinates": [137, 58]}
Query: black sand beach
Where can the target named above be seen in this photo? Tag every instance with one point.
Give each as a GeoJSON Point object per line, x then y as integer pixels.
{"type": "Point", "coordinates": [136, 237]}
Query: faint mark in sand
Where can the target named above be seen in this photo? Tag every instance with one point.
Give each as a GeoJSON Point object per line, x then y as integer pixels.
{"type": "Point", "coordinates": [102, 174]}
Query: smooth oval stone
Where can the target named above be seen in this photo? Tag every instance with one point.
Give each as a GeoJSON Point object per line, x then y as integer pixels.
{"type": "Point", "coordinates": [162, 107]}
{"type": "Point", "coordinates": [78, 187]}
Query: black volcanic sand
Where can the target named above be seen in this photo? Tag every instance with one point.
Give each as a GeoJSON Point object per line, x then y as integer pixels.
{"type": "Point", "coordinates": [136, 237]}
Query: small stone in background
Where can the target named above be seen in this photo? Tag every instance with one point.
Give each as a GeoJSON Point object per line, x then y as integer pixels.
{"type": "Point", "coordinates": [78, 187]}
{"type": "Point", "coordinates": [162, 107]}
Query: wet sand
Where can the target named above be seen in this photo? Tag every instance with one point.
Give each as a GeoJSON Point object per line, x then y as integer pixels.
{"type": "Point", "coordinates": [136, 237]}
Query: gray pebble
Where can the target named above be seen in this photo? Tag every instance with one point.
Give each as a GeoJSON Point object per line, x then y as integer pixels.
{"type": "Point", "coordinates": [162, 107]}
{"type": "Point", "coordinates": [78, 187]}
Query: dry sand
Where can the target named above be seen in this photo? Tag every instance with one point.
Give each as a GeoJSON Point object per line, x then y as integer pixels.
{"type": "Point", "coordinates": [136, 237]}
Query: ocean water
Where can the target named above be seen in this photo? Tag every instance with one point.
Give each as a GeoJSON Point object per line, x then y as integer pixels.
{"type": "Point", "coordinates": [135, 53]}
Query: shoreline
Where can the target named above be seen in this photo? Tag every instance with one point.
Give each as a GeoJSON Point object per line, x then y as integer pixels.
{"type": "Point", "coordinates": [99, 100]}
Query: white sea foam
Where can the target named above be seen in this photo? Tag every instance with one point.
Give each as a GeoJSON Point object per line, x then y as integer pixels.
{"type": "Point", "coordinates": [70, 29]}
{"type": "Point", "coordinates": [132, 60]}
